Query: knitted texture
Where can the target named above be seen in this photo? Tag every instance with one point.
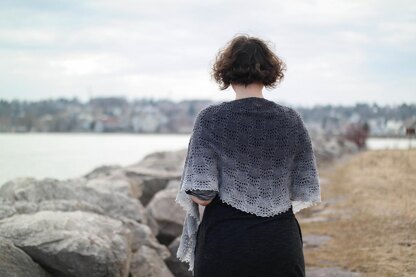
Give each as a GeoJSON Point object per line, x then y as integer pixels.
{"type": "Point", "coordinates": [256, 154]}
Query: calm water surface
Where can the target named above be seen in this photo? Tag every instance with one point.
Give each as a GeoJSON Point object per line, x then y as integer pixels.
{"type": "Point", "coordinates": [71, 155]}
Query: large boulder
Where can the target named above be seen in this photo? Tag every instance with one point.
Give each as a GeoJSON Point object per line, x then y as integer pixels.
{"type": "Point", "coordinates": [28, 195]}
{"type": "Point", "coordinates": [115, 179]}
{"type": "Point", "coordinates": [168, 215]}
{"type": "Point", "coordinates": [72, 243]}
{"type": "Point", "coordinates": [15, 262]}
{"type": "Point", "coordinates": [156, 170]}
{"type": "Point", "coordinates": [328, 148]}
{"type": "Point", "coordinates": [177, 267]}
{"type": "Point", "coordinates": [103, 171]}
{"type": "Point", "coordinates": [143, 235]}
{"type": "Point", "coordinates": [152, 181]}
{"type": "Point", "coordinates": [166, 161]}
{"type": "Point", "coordinates": [146, 262]}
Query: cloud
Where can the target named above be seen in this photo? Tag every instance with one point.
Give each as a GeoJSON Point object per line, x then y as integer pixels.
{"type": "Point", "coordinates": [335, 50]}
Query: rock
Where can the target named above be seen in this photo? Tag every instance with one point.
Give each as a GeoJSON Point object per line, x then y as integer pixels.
{"type": "Point", "coordinates": [15, 262]}
{"type": "Point", "coordinates": [102, 171]}
{"type": "Point", "coordinates": [168, 215]}
{"type": "Point", "coordinates": [6, 209]}
{"type": "Point", "coordinates": [167, 161]}
{"type": "Point", "coordinates": [329, 272]}
{"type": "Point", "coordinates": [151, 222]}
{"type": "Point", "coordinates": [66, 206]}
{"type": "Point", "coordinates": [114, 179]}
{"type": "Point", "coordinates": [178, 268]}
{"type": "Point", "coordinates": [310, 241]}
{"type": "Point", "coordinates": [118, 185]}
{"type": "Point", "coordinates": [142, 235]}
{"type": "Point", "coordinates": [151, 184]}
{"type": "Point", "coordinates": [327, 148]}
{"type": "Point", "coordinates": [67, 195]}
{"type": "Point", "coordinates": [147, 263]}
{"type": "Point", "coordinates": [173, 184]}
{"type": "Point", "coordinates": [314, 219]}
{"type": "Point", "coordinates": [72, 243]}
{"type": "Point", "coordinates": [153, 180]}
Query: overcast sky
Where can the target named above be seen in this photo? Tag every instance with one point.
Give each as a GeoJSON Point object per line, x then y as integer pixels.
{"type": "Point", "coordinates": [337, 52]}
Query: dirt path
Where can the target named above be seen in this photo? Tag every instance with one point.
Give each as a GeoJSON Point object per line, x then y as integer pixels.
{"type": "Point", "coordinates": [366, 225]}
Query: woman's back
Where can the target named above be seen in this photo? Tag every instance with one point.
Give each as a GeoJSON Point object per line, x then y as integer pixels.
{"type": "Point", "coordinates": [255, 156]}
{"type": "Point", "coordinates": [256, 153]}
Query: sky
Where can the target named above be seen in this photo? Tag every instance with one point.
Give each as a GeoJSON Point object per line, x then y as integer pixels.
{"type": "Point", "coordinates": [337, 52]}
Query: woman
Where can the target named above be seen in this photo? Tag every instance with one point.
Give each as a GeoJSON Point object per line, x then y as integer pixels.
{"type": "Point", "coordinates": [250, 162]}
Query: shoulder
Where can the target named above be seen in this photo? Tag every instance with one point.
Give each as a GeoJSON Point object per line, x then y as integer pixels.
{"type": "Point", "coordinates": [222, 110]}
{"type": "Point", "coordinates": [208, 112]}
{"type": "Point", "coordinates": [290, 113]}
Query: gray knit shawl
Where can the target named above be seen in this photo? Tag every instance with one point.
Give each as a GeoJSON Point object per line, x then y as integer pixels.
{"type": "Point", "coordinates": [256, 153]}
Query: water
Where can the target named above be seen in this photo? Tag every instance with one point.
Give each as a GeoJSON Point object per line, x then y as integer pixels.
{"type": "Point", "coordinates": [71, 155]}
{"type": "Point", "coordinates": [390, 143]}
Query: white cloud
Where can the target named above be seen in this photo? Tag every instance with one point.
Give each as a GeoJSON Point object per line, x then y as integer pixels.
{"type": "Point", "coordinates": [165, 49]}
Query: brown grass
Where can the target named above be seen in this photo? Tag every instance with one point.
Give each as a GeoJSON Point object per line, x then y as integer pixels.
{"type": "Point", "coordinates": [374, 227]}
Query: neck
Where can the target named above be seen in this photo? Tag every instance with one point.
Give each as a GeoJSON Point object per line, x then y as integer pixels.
{"type": "Point", "coordinates": [251, 90]}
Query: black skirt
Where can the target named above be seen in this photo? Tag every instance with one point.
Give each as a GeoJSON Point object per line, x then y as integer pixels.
{"type": "Point", "coordinates": [233, 243]}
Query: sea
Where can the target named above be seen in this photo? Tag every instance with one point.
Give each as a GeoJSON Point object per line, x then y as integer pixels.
{"type": "Point", "coordinates": [69, 155]}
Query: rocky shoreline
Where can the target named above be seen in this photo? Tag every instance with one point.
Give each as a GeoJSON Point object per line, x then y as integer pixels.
{"type": "Point", "coordinates": [113, 221]}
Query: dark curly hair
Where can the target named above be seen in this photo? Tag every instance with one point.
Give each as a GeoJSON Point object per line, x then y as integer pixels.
{"type": "Point", "coordinates": [245, 60]}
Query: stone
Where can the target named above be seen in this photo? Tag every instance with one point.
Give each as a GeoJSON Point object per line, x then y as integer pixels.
{"type": "Point", "coordinates": [102, 171]}
{"type": "Point", "coordinates": [151, 185]}
{"type": "Point", "coordinates": [15, 262]}
{"type": "Point", "coordinates": [168, 215]}
{"type": "Point", "coordinates": [153, 180]}
{"type": "Point", "coordinates": [67, 195]}
{"type": "Point", "coordinates": [310, 240]}
{"type": "Point", "coordinates": [147, 263]}
{"type": "Point", "coordinates": [166, 161]}
{"type": "Point", "coordinates": [114, 179]}
{"type": "Point", "coordinates": [173, 184]}
{"type": "Point", "coordinates": [177, 267]}
{"type": "Point", "coordinates": [143, 235]}
{"type": "Point", "coordinates": [72, 243]}
{"type": "Point", "coordinates": [330, 272]}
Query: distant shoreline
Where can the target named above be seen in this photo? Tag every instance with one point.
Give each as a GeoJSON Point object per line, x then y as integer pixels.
{"type": "Point", "coordinates": [170, 133]}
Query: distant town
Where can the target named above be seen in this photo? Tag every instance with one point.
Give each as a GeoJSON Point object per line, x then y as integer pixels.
{"type": "Point", "coordinates": [117, 114]}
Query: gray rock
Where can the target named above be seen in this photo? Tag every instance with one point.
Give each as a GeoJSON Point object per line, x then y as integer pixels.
{"type": "Point", "coordinates": [329, 148]}
{"type": "Point", "coordinates": [154, 172]}
{"type": "Point", "coordinates": [72, 243]}
{"type": "Point", "coordinates": [147, 263]}
{"type": "Point", "coordinates": [102, 171]}
{"type": "Point", "coordinates": [178, 268]}
{"type": "Point", "coordinates": [310, 240]}
{"type": "Point", "coordinates": [6, 209]}
{"type": "Point", "coordinates": [330, 272]}
{"type": "Point", "coordinates": [166, 161]}
{"type": "Point", "coordinates": [142, 235]}
{"type": "Point", "coordinates": [153, 180]}
{"type": "Point", "coordinates": [68, 206]}
{"type": "Point", "coordinates": [168, 215]}
{"type": "Point", "coordinates": [70, 195]}
{"type": "Point", "coordinates": [151, 222]}
{"type": "Point", "coordinates": [151, 185]}
{"type": "Point", "coordinates": [315, 219]}
{"type": "Point", "coordinates": [115, 179]}
{"type": "Point", "coordinates": [15, 262]}
{"type": "Point", "coordinates": [173, 184]}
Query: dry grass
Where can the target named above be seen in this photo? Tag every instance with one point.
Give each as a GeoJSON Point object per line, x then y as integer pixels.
{"type": "Point", "coordinates": [374, 230]}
